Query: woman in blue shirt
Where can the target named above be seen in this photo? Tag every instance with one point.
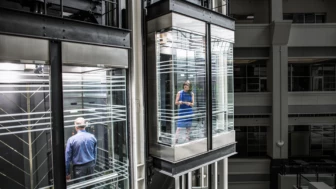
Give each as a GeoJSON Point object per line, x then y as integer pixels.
{"type": "Point", "coordinates": [184, 99]}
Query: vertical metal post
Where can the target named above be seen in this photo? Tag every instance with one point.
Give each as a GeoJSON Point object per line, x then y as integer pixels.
{"type": "Point", "coordinates": [55, 53]}
{"type": "Point", "coordinates": [190, 180]}
{"type": "Point", "coordinates": [61, 6]}
{"type": "Point", "coordinates": [177, 182]}
{"type": "Point", "coordinates": [202, 178]}
{"type": "Point", "coordinates": [45, 7]}
{"type": "Point", "coordinates": [215, 176]}
{"type": "Point", "coordinates": [210, 4]}
{"type": "Point", "coordinates": [210, 176]}
{"type": "Point", "coordinates": [183, 182]}
{"type": "Point", "coordinates": [226, 173]}
{"type": "Point", "coordinates": [208, 86]}
{"type": "Point", "coordinates": [30, 142]}
{"type": "Point", "coordinates": [118, 13]}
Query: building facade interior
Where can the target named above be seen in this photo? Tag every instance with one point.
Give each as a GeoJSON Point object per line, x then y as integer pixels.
{"type": "Point", "coordinates": [178, 94]}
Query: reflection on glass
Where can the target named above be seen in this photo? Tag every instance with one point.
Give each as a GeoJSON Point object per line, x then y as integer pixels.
{"type": "Point", "coordinates": [25, 132]}
{"type": "Point", "coordinates": [180, 86]}
{"type": "Point", "coordinates": [96, 99]}
{"type": "Point", "coordinates": [222, 80]}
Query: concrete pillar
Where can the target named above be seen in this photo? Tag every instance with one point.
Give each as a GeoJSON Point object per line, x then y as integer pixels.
{"type": "Point", "coordinates": [278, 132]}
{"type": "Point", "coordinates": [136, 80]}
{"type": "Point", "coordinates": [276, 10]}
{"type": "Point", "coordinates": [277, 146]}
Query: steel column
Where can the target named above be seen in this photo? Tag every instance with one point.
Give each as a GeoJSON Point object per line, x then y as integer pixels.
{"type": "Point", "coordinates": [208, 87]}
{"type": "Point", "coordinates": [215, 176]}
{"type": "Point", "coordinates": [61, 6]}
{"type": "Point", "coordinates": [183, 182]}
{"type": "Point", "coordinates": [190, 180]}
{"type": "Point", "coordinates": [177, 182]}
{"type": "Point", "coordinates": [56, 92]}
{"type": "Point", "coordinates": [226, 172]}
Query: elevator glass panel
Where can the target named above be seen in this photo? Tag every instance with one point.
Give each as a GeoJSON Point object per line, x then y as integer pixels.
{"type": "Point", "coordinates": [180, 86]}
{"type": "Point", "coordinates": [222, 80]}
{"type": "Point", "coordinates": [99, 96]}
{"type": "Point", "coordinates": [25, 131]}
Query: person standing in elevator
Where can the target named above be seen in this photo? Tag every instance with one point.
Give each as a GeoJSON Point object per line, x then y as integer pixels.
{"type": "Point", "coordinates": [81, 151]}
{"type": "Point", "coordinates": [185, 101]}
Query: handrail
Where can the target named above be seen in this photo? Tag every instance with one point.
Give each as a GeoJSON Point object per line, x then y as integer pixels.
{"type": "Point", "coordinates": [93, 181]}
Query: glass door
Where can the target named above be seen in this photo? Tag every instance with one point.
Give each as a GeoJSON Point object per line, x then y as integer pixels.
{"type": "Point", "coordinates": [95, 123]}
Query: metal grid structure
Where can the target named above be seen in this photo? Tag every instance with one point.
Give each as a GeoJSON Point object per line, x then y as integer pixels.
{"type": "Point", "coordinates": [25, 128]}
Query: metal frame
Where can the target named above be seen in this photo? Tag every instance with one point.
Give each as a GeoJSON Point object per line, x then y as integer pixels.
{"type": "Point", "coordinates": [57, 30]}
{"type": "Point", "coordinates": [191, 10]}
{"type": "Point", "coordinates": [177, 169]}
{"type": "Point", "coordinates": [21, 23]}
{"type": "Point", "coordinates": [208, 87]}
{"type": "Point", "coordinates": [57, 114]}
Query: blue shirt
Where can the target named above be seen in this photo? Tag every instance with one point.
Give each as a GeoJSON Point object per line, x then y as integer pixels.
{"type": "Point", "coordinates": [80, 149]}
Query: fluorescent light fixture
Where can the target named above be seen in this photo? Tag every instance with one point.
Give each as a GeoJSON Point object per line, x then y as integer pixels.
{"type": "Point", "coordinates": [67, 14]}
{"type": "Point", "coordinates": [250, 17]}
{"type": "Point", "coordinates": [11, 67]}
{"type": "Point", "coordinates": [30, 67]}
{"type": "Point", "coordinates": [73, 111]}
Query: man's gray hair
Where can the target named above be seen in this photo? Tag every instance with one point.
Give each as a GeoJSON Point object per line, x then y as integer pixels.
{"type": "Point", "coordinates": [80, 122]}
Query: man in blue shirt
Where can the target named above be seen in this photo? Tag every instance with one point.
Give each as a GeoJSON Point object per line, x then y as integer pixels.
{"type": "Point", "coordinates": [81, 150]}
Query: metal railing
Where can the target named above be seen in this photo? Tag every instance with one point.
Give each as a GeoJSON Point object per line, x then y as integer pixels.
{"type": "Point", "coordinates": [315, 168]}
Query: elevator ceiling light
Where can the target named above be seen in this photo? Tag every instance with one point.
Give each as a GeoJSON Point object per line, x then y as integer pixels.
{"type": "Point", "coordinates": [11, 67]}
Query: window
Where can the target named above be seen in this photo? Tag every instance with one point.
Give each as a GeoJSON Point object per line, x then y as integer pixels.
{"type": "Point", "coordinates": [250, 77]}
{"type": "Point", "coordinates": [246, 18]}
{"type": "Point", "coordinates": [251, 141]}
{"type": "Point", "coordinates": [311, 77]}
{"type": "Point", "coordinates": [305, 17]}
{"type": "Point", "coordinates": [311, 140]}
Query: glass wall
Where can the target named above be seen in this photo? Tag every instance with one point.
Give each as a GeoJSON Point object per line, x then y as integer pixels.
{"type": "Point", "coordinates": [96, 98]}
{"type": "Point", "coordinates": [311, 77]}
{"type": "Point", "coordinates": [180, 86]}
{"type": "Point", "coordinates": [314, 140]}
{"type": "Point", "coordinates": [250, 77]}
{"type": "Point", "coordinates": [107, 12]}
{"type": "Point", "coordinates": [251, 141]}
{"type": "Point", "coordinates": [222, 79]}
{"type": "Point", "coordinates": [301, 18]}
{"type": "Point", "coordinates": [25, 126]}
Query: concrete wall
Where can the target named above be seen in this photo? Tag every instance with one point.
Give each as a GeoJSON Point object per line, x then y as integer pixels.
{"type": "Point", "coordinates": [312, 98]}
{"type": "Point", "coordinates": [249, 173]}
{"type": "Point", "coordinates": [312, 35]}
{"type": "Point", "coordinates": [252, 35]}
{"type": "Point", "coordinates": [301, 35]}
{"type": "Point", "coordinates": [258, 8]}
